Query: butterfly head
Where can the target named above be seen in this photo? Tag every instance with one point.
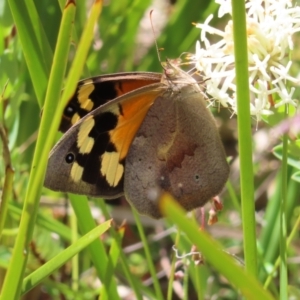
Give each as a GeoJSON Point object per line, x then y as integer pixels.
{"type": "Point", "coordinates": [176, 78]}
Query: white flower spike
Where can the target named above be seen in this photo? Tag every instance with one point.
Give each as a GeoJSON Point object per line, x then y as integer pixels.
{"type": "Point", "coordinates": [270, 26]}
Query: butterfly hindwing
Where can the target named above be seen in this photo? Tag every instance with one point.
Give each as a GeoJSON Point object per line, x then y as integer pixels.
{"type": "Point", "coordinates": [176, 150]}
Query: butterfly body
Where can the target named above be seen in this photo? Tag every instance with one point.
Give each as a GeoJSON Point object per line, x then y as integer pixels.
{"type": "Point", "coordinates": [159, 137]}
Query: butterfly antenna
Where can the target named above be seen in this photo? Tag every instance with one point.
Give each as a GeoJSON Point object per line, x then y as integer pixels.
{"type": "Point", "coordinates": [155, 40]}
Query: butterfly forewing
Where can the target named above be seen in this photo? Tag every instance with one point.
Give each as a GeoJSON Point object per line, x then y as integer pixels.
{"type": "Point", "coordinates": [90, 157]}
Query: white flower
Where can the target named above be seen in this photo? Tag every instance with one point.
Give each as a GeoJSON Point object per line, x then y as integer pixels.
{"type": "Point", "coordinates": [270, 26]}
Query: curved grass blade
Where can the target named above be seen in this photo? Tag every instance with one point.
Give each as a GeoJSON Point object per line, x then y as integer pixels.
{"type": "Point", "coordinates": [223, 263]}
{"type": "Point", "coordinates": [49, 267]}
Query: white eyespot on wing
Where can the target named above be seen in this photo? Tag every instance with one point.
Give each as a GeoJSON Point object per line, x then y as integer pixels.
{"type": "Point", "coordinates": [153, 194]}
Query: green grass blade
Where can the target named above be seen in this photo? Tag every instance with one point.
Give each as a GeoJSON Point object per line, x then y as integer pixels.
{"type": "Point", "coordinates": [278, 261]}
{"type": "Point", "coordinates": [13, 279]}
{"type": "Point", "coordinates": [6, 196]}
{"type": "Point", "coordinates": [172, 270]}
{"type": "Point", "coordinates": [114, 254]}
{"type": "Point", "coordinates": [81, 54]}
{"type": "Point", "coordinates": [75, 259]}
{"type": "Point", "coordinates": [40, 34]}
{"type": "Point", "coordinates": [244, 135]}
{"type": "Point", "coordinates": [98, 253]}
{"type": "Point", "coordinates": [38, 70]}
{"type": "Point", "coordinates": [158, 290]}
{"type": "Point", "coordinates": [9, 172]}
{"type": "Point", "coordinates": [127, 273]}
{"type": "Point", "coordinates": [222, 262]}
{"type": "Point", "coordinates": [283, 222]}
{"type": "Point", "coordinates": [49, 267]}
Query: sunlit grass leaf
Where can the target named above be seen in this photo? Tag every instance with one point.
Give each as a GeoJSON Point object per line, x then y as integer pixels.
{"type": "Point", "coordinates": [212, 251]}
{"type": "Point", "coordinates": [61, 258]}
{"type": "Point", "coordinates": [293, 153]}
{"type": "Point", "coordinates": [296, 176]}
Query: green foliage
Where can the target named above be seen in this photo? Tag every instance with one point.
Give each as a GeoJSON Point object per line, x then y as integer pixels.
{"type": "Point", "coordinates": [43, 50]}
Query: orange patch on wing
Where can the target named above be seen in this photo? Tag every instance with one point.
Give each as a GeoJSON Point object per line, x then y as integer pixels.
{"type": "Point", "coordinates": [126, 86]}
{"type": "Point", "coordinates": [134, 112]}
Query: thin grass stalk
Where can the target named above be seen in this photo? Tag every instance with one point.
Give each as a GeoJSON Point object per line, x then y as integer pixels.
{"type": "Point", "coordinates": [232, 194]}
{"type": "Point", "coordinates": [100, 259]}
{"type": "Point", "coordinates": [127, 273]}
{"type": "Point", "coordinates": [9, 172]}
{"type": "Point", "coordinates": [244, 135]}
{"type": "Point", "coordinates": [172, 270]}
{"type": "Point", "coordinates": [114, 254]}
{"type": "Point", "coordinates": [186, 287]}
{"type": "Point", "coordinates": [75, 258]}
{"type": "Point", "coordinates": [283, 284]}
{"type": "Point", "coordinates": [6, 196]}
{"type": "Point", "coordinates": [151, 267]}
{"type": "Point", "coordinates": [278, 261]}
{"type": "Point", "coordinates": [81, 54]}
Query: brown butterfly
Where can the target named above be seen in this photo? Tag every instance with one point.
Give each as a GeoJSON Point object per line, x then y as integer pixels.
{"type": "Point", "coordinates": [139, 134]}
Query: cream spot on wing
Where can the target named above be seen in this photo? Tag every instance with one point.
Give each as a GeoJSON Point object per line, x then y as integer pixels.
{"type": "Point", "coordinates": [84, 142]}
{"type": "Point", "coordinates": [84, 93]}
{"type": "Point", "coordinates": [75, 118]}
{"type": "Point", "coordinates": [87, 145]}
{"type": "Point", "coordinates": [111, 168]}
{"type": "Point", "coordinates": [87, 105]}
{"type": "Point", "coordinates": [76, 172]}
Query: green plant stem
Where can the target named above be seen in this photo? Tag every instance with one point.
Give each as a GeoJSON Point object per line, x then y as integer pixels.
{"type": "Point", "coordinates": [9, 177]}
{"type": "Point", "coordinates": [233, 196]}
{"type": "Point", "coordinates": [172, 270]}
{"type": "Point", "coordinates": [13, 280]}
{"type": "Point", "coordinates": [114, 254]}
{"type": "Point", "coordinates": [132, 281]}
{"type": "Point", "coordinates": [81, 54]}
{"type": "Point", "coordinates": [6, 196]}
{"type": "Point", "coordinates": [244, 134]}
{"type": "Point", "coordinates": [97, 250]}
{"type": "Point", "coordinates": [151, 267]}
{"type": "Point", "coordinates": [278, 261]}
{"type": "Point", "coordinates": [75, 259]}
{"type": "Point", "coordinates": [283, 225]}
